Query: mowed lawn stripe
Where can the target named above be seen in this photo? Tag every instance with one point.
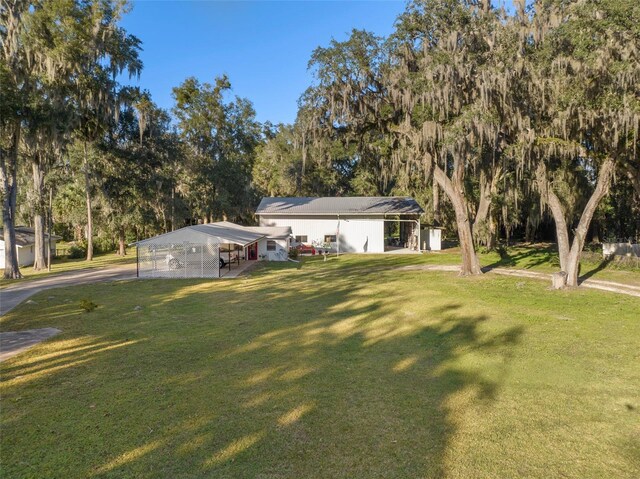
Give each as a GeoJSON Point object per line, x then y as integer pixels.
{"type": "Point", "coordinates": [344, 368]}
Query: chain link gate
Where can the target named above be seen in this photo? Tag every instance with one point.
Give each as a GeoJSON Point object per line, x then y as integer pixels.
{"type": "Point", "coordinates": [181, 260]}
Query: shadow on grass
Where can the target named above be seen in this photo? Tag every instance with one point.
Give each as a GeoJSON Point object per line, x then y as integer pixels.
{"type": "Point", "coordinates": [526, 257]}
{"type": "Point", "coordinates": [602, 265]}
{"type": "Point", "coordinates": [290, 373]}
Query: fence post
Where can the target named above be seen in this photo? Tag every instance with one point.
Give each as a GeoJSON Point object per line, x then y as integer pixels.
{"type": "Point", "coordinates": [185, 258]}
{"type": "Point", "coordinates": [201, 261]}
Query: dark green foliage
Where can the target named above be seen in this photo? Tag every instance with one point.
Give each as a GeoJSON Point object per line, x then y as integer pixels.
{"type": "Point", "coordinates": [87, 305]}
{"type": "Point", "coordinates": [294, 253]}
{"type": "Point", "coordinates": [77, 250]}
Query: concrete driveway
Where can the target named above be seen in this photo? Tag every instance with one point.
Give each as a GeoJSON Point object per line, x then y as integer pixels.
{"type": "Point", "coordinates": [13, 295]}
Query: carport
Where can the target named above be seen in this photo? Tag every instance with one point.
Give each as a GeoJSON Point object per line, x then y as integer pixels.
{"type": "Point", "coordinates": [198, 251]}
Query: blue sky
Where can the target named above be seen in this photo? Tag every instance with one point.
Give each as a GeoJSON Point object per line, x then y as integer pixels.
{"type": "Point", "coordinates": [263, 46]}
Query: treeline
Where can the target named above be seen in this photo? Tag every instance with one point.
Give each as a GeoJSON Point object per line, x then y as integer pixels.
{"type": "Point", "coordinates": [499, 122]}
{"type": "Point", "coordinates": [502, 125]}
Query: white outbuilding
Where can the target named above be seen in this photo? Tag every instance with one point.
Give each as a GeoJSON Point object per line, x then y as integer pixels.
{"type": "Point", "coordinates": [25, 245]}
{"type": "Point", "coordinates": [209, 250]}
{"type": "Point", "coordinates": [347, 224]}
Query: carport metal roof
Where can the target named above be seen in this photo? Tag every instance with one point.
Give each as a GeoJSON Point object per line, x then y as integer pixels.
{"type": "Point", "coordinates": [271, 232]}
{"type": "Point", "coordinates": [218, 233]}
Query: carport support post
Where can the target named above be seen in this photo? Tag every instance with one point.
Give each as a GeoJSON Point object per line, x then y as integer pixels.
{"type": "Point", "coordinates": [338, 236]}
{"type": "Point", "coordinates": [185, 259]}
{"type": "Point", "coordinates": [229, 257]}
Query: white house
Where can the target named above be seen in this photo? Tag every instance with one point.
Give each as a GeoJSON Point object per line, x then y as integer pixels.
{"type": "Point", "coordinates": [25, 246]}
{"type": "Point", "coordinates": [347, 224]}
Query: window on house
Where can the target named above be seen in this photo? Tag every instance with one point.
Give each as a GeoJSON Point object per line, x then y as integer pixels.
{"type": "Point", "coordinates": [329, 238]}
{"type": "Point", "coordinates": [271, 245]}
{"type": "Point", "coordinates": [301, 239]}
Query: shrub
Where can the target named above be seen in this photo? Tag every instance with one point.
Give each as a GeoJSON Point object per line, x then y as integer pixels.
{"type": "Point", "coordinates": [294, 253]}
{"type": "Point", "coordinates": [77, 250]}
{"type": "Point", "coordinates": [88, 305]}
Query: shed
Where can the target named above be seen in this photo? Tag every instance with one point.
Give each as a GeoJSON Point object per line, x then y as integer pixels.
{"type": "Point", "coordinates": [25, 245]}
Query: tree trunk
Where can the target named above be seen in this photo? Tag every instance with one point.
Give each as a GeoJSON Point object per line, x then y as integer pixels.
{"type": "Point", "coordinates": [436, 202]}
{"type": "Point", "coordinates": [634, 176]}
{"type": "Point", "coordinates": [569, 252]}
{"type": "Point", "coordinates": [173, 208]}
{"type": "Point", "coordinates": [491, 235]}
{"type": "Point", "coordinates": [483, 214]}
{"type": "Point", "coordinates": [122, 248]}
{"type": "Point", "coordinates": [557, 211]}
{"type": "Point", "coordinates": [8, 178]}
{"type": "Point", "coordinates": [470, 263]}
{"type": "Point", "coordinates": [165, 226]}
{"type": "Point", "coordinates": [562, 231]}
{"type": "Point", "coordinates": [39, 261]}
{"type": "Point", "coordinates": [49, 226]}
{"type": "Point", "coordinates": [602, 188]}
{"type": "Point", "coordinates": [87, 184]}
{"type": "Point", "coordinates": [528, 231]}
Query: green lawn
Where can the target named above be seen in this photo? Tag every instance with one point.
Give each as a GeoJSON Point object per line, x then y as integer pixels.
{"type": "Point", "coordinates": [536, 257]}
{"type": "Point", "coordinates": [544, 258]}
{"type": "Point", "coordinates": [64, 264]}
{"type": "Point", "coordinates": [348, 368]}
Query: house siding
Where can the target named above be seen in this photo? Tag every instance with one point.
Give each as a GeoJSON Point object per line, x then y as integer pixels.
{"type": "Point", "coordinates": [280, 254]}
{"type": "Point", "coordinates": [357, 234]}
{"type": "Point", "coordinates": [26, 254]}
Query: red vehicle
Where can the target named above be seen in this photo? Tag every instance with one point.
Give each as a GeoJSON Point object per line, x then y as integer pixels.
{"type": "Point", "coordinates": [305, 249]}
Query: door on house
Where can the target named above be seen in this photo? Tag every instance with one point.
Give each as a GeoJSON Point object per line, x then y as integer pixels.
{"type": "Point", "coordinates": [253, 251]}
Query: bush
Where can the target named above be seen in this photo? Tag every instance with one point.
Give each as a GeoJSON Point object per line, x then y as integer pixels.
{"type": "Point", "coordinates": [294, 253]}
{"type": "Point", "coordinates": [77, 250]}
{"type": "Point", "coordinates": [88, 305]}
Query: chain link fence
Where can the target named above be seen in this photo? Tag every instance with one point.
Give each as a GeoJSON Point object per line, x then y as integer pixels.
{"type": "Point", "coordinates": [183, 260]}
{"type": "Point", "coordinates": [620, 249]}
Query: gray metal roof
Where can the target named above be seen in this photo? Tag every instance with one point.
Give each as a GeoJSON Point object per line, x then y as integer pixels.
{"type": "Point", "coordinates": [351, 205]}
{"type": "Point", "coordinates": [26, 236]}
{"type": "Point", "coordinates": [271, 232]}
{"type": "Point", "coordinates": [218, 233]}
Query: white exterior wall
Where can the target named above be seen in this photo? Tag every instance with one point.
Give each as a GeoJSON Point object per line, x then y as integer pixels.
{"type": "Point", "coordinates": [357, 234]}
{"type": "Point", "coordinates": [280, 254]}
{"type": "Point", "coordinates": [431, 238]}
{"type": "Point", "coordinates": [26, 254]}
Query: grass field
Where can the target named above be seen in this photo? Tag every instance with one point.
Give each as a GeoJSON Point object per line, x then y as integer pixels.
{"type": "Point", "coordinates": [64, 264]}
{"type": "Point", "coordinates": [347, 368]}
{"type": "Point", "coordinates": [536, 257]}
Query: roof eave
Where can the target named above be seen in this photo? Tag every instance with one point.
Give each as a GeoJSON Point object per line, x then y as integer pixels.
{"type": "Point", "coordinates": [280, 213]}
